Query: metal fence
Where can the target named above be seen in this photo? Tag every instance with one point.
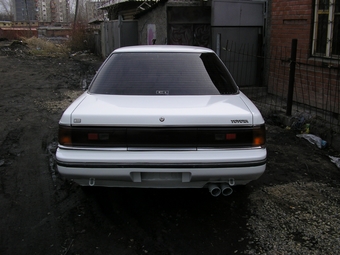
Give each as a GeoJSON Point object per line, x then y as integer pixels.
{"type": "Point", "coordinates": [315, 89]}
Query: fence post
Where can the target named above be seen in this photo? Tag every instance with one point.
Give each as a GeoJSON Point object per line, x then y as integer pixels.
{"type": "Point", "coordinates": [291, 77]}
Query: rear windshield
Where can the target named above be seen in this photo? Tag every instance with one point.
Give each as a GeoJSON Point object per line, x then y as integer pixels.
{"type": "Point", "coordinates": [163, 74]}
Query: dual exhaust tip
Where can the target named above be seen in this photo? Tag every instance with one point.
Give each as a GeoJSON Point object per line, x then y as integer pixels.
{"type": "Point", "coordinates": [218, 189]}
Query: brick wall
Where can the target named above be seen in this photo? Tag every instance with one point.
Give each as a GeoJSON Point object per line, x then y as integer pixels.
{"type": "Point", "coordinates": [316, 79]}
{"type": "Point", "coordinates": [291, 19]}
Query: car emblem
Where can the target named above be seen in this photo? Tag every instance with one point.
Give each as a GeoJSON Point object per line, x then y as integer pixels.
{"type": "Point", "coordinates": [161, 119]}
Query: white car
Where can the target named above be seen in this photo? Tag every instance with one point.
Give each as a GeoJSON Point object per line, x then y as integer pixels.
{"type": "Point", "coordinates": [162, 117]}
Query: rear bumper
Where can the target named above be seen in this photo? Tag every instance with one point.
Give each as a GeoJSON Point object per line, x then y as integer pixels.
{"type": "Point", "coordinates": [161, 169]}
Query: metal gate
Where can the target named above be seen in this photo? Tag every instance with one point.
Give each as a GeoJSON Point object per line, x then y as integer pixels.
{"type": "Point", "coordinates": [189, 25]}
{"type": "Point", "coordinates": [237, 36]}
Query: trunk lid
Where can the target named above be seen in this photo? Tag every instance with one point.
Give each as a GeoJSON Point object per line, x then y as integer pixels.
{"type": "Point", "coordinates": [116, 110]}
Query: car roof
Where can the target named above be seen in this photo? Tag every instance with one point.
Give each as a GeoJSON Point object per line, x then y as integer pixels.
{"type": "Point", "coordinates": [163, 48]}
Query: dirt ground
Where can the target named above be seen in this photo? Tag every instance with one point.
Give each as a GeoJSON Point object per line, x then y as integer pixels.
{"type": "Point", "coordinates": [292, 209]}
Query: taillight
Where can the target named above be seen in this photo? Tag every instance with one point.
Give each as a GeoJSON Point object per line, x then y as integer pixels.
{"type": "Point", "coordinates": [98, 136]}
{"type": "Point", "coordinates": [259, 136]}
{"type": "Point", "coordinates": [65, 136]}
{"type": "Point", "coordinates": [92, 136]}
{"type": "Point", "coordinates": [220, 137]}
{"type": "Point", "coordinates": [232, 137]}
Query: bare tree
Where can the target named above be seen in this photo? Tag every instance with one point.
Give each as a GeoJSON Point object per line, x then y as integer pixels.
{"type": "Point", "coordinates": [6, 6]}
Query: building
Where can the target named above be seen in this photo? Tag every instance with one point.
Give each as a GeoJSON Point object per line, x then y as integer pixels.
{"type": "Point", "coordinates": [53, 11]}
{"type": "Point", "coordinates": [25, 10]}
{"type": "Point", "coordinates": [211, 24]}
{"type": "Point", "coordinates": [15, 30]}
{"type": "Point", "coordinates": [316, 26]}
{"type": "Point", "coordinates": [184, 22]}
{"type": "Point", "coordinates": [93, 11]}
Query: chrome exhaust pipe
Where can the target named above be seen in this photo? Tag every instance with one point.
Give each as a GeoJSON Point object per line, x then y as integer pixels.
{"type": "Point", "coordinates": [226, 189]}
{"type": "Point", "coordinates": [214, 190]}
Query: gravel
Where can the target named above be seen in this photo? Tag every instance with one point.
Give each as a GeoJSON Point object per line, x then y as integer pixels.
{"type": "Point", "coordinates": [295, 218]}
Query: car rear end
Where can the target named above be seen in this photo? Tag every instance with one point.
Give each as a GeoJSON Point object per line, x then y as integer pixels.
{"type": "Point", "coordinates": [180, 134]}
